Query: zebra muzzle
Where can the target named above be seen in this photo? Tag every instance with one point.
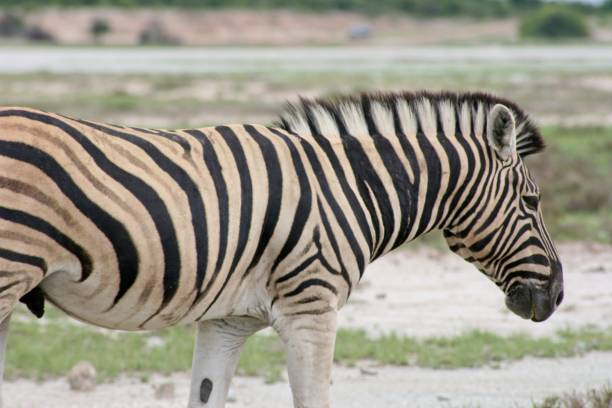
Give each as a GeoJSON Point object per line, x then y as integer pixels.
{"type": "Point", "coordinates": [534, 303]}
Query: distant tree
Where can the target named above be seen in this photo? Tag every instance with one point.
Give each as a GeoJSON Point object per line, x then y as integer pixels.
{"type": "Point", "coordinates": [555, 22]}
{"type": "Point", "coordinates": [99, 27]}
{"type": "Point", "coordinates": [155, 33]}
{"type": "Point", "coordinates": [11, 25]}
{"type": "Point", "coordinates": [38, 34]}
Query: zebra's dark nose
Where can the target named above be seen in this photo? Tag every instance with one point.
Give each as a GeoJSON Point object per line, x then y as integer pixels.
{"type": "Point", "coordinates": [559, 298]}
{"type": "Point", "coordinates": [519, 300]}
{"type": "Point", "coordinates": [535, 303]}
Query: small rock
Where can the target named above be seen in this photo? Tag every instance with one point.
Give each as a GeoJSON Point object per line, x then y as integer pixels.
{"type": "Point", "coordinates": [596, 269]}
{"type": "Point", "coordinates": [164, 391]}
{"type": "Point", "coordinates": [155, 342]}
{"type": "Point", "coordinates": [367, 371]}
{"type": "Point", "coordinates": [82, 377]}
{"type": "Point", "coordinates": [231, 398]}
{"type": "Point", "coordinates": [381, 296]}
{"type": "Point", "coordinates": [443, 398]}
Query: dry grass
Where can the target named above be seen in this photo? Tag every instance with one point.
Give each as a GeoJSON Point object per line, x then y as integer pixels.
{"type": "Point", "coordinates": [593, 398]}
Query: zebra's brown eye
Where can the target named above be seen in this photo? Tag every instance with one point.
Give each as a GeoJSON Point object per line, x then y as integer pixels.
{"type": "Point", "coordinates": [531, 201]}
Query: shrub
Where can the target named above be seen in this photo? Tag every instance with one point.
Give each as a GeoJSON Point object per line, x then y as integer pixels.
{"type": "Point", "coordinates": [155, 33]}
{"type": "Point", "coordinates": [555, 22]}
{"type": "Point", "coordinates": [99, 27]}
{"type": "Point", "coordinates": [10, 25]}
{"type": "Point", "coordinates": [38, 34]}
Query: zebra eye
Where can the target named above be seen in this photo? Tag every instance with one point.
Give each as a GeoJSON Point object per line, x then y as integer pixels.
{"type": "Point", "coordinates": [531, 201]}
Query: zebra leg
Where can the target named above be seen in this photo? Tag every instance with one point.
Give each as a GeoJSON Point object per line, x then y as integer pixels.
{"type": "Point", "coordinates": [309, 340]}
{"type": "Point", "coordinates": [4, 330]}
{"type": "Point", "coordinates": [217, 349]}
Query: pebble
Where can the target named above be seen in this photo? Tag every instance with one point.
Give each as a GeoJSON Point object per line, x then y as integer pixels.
{"type": "Point", "coordinates": [82, 377]}
{"type": "Point", "coordinates": [164, 391]}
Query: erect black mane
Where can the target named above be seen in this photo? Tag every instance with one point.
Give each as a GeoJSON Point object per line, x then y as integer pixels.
{"type": "Point", "coordinates": [529, 139]}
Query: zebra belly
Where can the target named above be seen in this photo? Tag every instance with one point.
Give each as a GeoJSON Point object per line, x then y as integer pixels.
{"type": "Point", "coordinates": [93, 305]}
{"type": "Point", "coordinates": [89, 303]}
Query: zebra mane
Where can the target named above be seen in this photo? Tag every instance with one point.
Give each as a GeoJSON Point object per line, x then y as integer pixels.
{"type": "Point", "coordinates": [366, 113]}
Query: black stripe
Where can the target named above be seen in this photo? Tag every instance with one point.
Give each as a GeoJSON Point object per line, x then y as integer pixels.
{"type": "Point", "coordinates": [483, 178]}
{"type": "Point", "coordinates": [126, 252]}
{"type": "Point", "coordinates": [246, 204]}
{"type": "Point", "coordinates": [361, 181]}
{"type": "Point", "coordinates": [42, 226]}
{"type": "Point", "coordinates": [296, 271]}
{"type": "Point", "coordinates": [35, 261]}
{"type": "Point", "coordinates": [454, 164]}
{"type": "Point", "coordinates": [275, 192]}
{"type": "Point", "coordinates": [311, 282]}
{"type": "Point", "coordinates": [335, 248]}
{"type": "Point", "coordinates": [434, 175]}
{"type": "Point", "coordinates": [215, 169]}
{"type": "Point", "coordinates": [347, 190]}
{"type": "Point", "coordinates": [471, 165]}
{"type": "Point", "coordinates": [536, 259]}
{"type": "Point", "coordinates": [216, 172]}
{"type": "Point", "coordinates": [173, 137]}
{"type": "Point", "coordinates": [412, 187]}
{"type": "Point", "coordinates": [525, 275]}
{"type": "Point", "coordinates": [304, 205]}
{"type": "Point", "coordinates": [401, 185]}
{"type": "Point", "coordinates": [246, 191]}
{"type": "Point", "coordinates": [166, 228]}
{"type": "Point", "coordinates": [347, 230]}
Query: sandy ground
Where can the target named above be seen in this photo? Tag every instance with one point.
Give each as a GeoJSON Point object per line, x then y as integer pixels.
{"type": "Point", "coordinates": [419, 292]}
{"type": "Point", "coordinates": [512, 385]}
{"type": "Point", "coordinates": [429, 292]}
{"type": "Point", "coordinates": [209, 60]}
{"type": "Point", "coordinates": [226, 27]}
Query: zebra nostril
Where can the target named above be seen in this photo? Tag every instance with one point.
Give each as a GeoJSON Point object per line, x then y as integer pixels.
{"type": "Point", "coordinates": [559, 298]}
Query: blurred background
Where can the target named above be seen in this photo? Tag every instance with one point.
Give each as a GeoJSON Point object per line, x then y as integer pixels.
{"type": "Point", "coordinates": [444, 332]}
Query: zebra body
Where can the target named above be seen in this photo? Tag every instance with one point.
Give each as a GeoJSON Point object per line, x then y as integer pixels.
{"type": "Point", "coordinates": [242, 226]}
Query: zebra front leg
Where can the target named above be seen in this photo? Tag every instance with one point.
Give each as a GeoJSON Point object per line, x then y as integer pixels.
{"type": "Point", "coordinates": [4, 331]}
{"type": "Point", "coordinates": [310, 341]}
{"type": "Point", "coordinates": [217, 350]}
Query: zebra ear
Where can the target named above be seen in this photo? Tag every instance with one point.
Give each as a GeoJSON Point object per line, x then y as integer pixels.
{"type": "Point", "coordinates": [501, 131]}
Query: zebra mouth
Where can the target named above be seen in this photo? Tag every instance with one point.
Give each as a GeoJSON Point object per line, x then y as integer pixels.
{"type": "Point", "coordinates": [519, 300]}
{"type": "Point", "coordinates": [535, 304]}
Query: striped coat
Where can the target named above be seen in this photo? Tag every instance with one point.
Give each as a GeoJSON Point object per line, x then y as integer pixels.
{"type": "Point", "coordinates": [243, 226]}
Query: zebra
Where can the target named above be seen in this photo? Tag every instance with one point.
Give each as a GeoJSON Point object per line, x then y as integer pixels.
{"type": "Point", "coordinates": [234, 228]}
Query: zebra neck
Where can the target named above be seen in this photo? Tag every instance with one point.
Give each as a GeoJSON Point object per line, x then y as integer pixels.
{"type": "Point", "coordinates": [409, 185]}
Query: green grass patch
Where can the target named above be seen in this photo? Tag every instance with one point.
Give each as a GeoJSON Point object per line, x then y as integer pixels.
{"type": "Point", "coordinates": [593, 398]}
{"type": "Point", "coordinates": [574, 176]}
{"type": "Point", "coordinates": [49, 349]}
{"type": "Point", "coordinates": [471, 349]}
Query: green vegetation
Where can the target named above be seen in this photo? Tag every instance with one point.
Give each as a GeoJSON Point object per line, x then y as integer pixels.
{"type": "Point", "coordinates": [573, 173]}
{"type": "Point", "coordinates": [475, 8]}
{"type": "Point", "coordinates": [99, 27]}
{"type": "Point", "coordinates": [593, 398]}
{"type": "Point", "coordinates": [39, 350]}
{"type": "Point", "coordinates": [555, 22]}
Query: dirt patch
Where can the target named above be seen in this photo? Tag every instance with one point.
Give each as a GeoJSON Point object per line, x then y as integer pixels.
{"type": "Point", "coordinates": [512, 385]}
{"type": "Point", "coordinates": [223, 27]}
{"type": "Point", "coordinates": [426, 292]}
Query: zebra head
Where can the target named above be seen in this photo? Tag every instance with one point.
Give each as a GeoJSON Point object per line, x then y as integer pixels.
{"type": "Point", "coordinates": [502, 231]}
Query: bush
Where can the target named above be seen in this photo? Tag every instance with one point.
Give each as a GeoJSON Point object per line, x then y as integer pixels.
{"type": "Point", "coordinates": [555, 22]}
{"type": "Point", "coordinates": [155, 33]}
{"type": "Point", "coordinates": [99, 27]}
{"type": "Point", "coordinates": [38, 34]}
{"type": "Point", "coordinates": [10, 25]}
